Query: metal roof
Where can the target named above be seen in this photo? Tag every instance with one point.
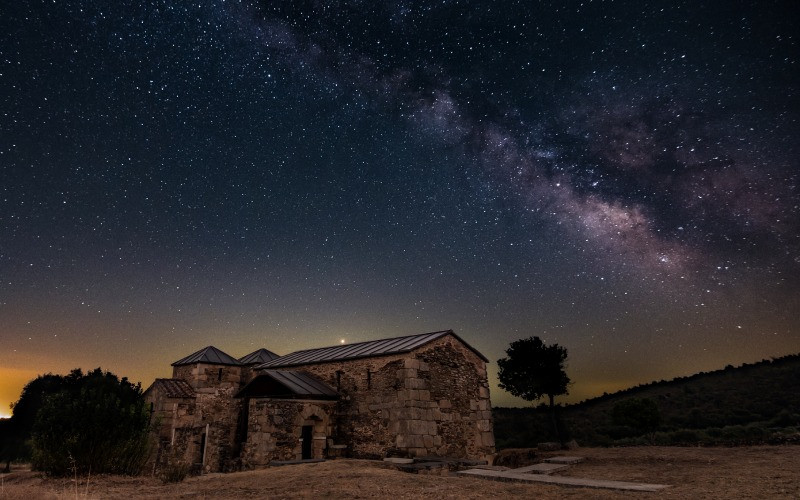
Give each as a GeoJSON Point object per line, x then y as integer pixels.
{"type": "Point", "coordinates": [173, 387]}
{"type": "Point", "coordinates": [210, 355]}
{"type": "Point", "coordinates": [368, 349]}
{"type": "Point", "coordinates": [258, 357]}
{"type": "Point", "coordinates": [287, 384]}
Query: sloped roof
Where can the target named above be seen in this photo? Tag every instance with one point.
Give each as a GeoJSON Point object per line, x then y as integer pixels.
{"type": "Point", "coordinates": [257, 357]}
{"type": "Point", "coordinates": [173, 387]}
{"type": "Point", "coordinates": [287, 384]}
{"type": "Point", "coordinates": [368, 349]}
{"type": "Point", "coordinates": [210, 355]}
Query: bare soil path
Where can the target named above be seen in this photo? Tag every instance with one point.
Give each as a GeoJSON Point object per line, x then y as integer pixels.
{"type": "Point", "coordinates": [746, 472]}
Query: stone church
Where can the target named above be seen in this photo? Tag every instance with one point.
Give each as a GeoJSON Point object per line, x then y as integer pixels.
{"type": "Point", "coordinates": [417, 395]}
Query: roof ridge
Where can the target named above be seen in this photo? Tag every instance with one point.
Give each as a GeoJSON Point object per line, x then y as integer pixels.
{"type": "Point", "coordinates": [201, 356]}
{"type": "Point", "coordinates": [367, 349]}
{"type": "Point", "coordinates": [339, 346]}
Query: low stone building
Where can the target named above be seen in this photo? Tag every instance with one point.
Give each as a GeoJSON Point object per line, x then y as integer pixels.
{"type": "Point", "coordinates": [408, 396]}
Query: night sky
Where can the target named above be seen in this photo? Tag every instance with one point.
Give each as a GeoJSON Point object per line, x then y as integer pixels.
{"type": "Point", "coordinates": [617, 177]}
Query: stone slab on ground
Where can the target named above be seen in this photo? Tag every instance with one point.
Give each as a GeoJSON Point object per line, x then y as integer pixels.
{"type": "Point", "coordinates": [561, 480]}
{"type": "Point", "coordinates": [398, 460]}
{"type": "Point", "coordinates": [465, 462]}
{"type": "Point", "coordinates": [295, 462]}
{"type": "Point", "coordinates": [421, 466]}
{"type": "Point", "coordinates": [490, 467]}
{"type": "Point", "coordinates": [541, 468]}
{"type": "Point", "coordinates": [564, 460]}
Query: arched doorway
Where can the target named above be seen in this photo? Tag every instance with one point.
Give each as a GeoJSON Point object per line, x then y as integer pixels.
{"type": "Point", "coordinates": [311, 429]}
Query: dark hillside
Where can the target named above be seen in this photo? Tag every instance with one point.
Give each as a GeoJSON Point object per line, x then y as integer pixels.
{"type": "Point", "coordinates": [753, 403]}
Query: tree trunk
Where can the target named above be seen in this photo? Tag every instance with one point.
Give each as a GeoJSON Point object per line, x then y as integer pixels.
{"type": "Point", "coordinates": [553, 418]}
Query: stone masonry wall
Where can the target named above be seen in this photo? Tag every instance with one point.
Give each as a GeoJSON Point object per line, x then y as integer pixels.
{"type": "Point", "coordinates": [214, 410]}
{"type": "Point", "coordinates": [161, 419]}
{"type": "Point", "coordinates": [274, 430]}
{"type": "Point", "coordinates": [205, 376]}
{"type": "Point", "coordinates": [432, 401]}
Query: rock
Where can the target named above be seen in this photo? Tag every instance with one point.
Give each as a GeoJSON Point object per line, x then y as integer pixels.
{"type": "Point", "coordinates": [549, 446]}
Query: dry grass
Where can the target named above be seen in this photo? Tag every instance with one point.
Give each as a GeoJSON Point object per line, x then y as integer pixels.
{"type": "Point", "coordinates": [747, 472]}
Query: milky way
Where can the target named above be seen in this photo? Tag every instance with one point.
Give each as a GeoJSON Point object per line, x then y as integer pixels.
{"type": "Point", "coordinates": [620, 178]}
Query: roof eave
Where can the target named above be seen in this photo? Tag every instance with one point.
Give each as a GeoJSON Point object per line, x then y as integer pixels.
{"type": "Point", "coordinates": [206, 363]}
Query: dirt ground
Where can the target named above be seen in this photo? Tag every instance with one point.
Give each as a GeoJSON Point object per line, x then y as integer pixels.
{"type": "Point", "coordinates": [746, 472]}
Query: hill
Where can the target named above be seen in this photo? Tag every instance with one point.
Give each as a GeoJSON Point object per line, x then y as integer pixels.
{"type": "Point", "coordinates": [752, 403]}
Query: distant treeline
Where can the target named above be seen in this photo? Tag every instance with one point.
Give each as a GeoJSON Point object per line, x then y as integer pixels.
{"type": "Point", "coordinates": [749, 404]}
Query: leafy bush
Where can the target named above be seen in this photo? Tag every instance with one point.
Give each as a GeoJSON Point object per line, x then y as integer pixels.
{"type": "Point", "coordinates": [96, 421]}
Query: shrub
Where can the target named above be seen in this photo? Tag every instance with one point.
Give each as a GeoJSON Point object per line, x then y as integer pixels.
{"type": "Point", "coordinates": [96, 421]}
{"type": "Point", "coordinates": [640, 415]}
{"type": "Point", "coordinates": [174, 472]}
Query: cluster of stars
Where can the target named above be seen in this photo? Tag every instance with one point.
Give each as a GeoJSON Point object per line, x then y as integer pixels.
{"type": "Point", "coordinates": [623, 177]}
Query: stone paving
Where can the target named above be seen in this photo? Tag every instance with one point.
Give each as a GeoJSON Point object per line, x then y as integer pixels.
{"type": "Point", "coordinates": [541, 468]}
{"type": "Point", "coordinates": [561, 480]}
{"type": "Point", "coordinates": [564, 460]}
{"type": "Point", "coordinates": [540, 473]}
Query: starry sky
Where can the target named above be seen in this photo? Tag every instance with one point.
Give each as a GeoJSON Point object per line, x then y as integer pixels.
{"type": "Point", "coordinates": [619, 177]}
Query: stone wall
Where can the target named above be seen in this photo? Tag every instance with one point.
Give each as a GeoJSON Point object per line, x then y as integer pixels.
{"type": "Point", "coordinates": [275, 430]}
{"type": "Point", "coordinates": [206, 376]}
{"type": "Point", "coordinates": [213, 413]}
{"type": "Point", "coordinates": [161, 413]}
{"type": "Point", "coordinates": [432, 401]}
{"type": "Point", "coordinates": [248, 374]}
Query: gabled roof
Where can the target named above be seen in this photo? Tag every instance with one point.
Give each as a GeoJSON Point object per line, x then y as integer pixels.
{"type": "Point", "coordinates": [173, 387]}
{"type": "Point", "coordinates": [287, 384]}
{"type": "Point", "coordinates": [368, 349]}
{"type": "Point", "coordinates": [258, 357]}
{"type": "Point", "coordinates": [210, 355]}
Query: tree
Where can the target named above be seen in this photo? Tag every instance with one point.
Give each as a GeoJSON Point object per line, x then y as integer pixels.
{"type": "Point", "coordinates": [15, 433]}
{"type": "Point", "coordinates": [95, 423]}
{"type": "Point", "coordinates": [533, 370]}
{"type": "Point", "coordinates": [640, 414]}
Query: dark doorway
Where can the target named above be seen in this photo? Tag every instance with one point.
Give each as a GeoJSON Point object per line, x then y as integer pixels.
{"type": "Point", "coordinates": [308, 437]}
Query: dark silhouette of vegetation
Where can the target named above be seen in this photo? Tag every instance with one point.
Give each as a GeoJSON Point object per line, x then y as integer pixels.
{"type": "Point", "coordinates": [15, 433]}
{"type": "Point", "coordinates": [533, 370]}
{"type": "Point", "coordinates": [754, 403]}
{"type": "Point", "coordinates": [8, 452]}
{"type": "Point", "coordinates": [92, 423]}
{"type": "Point", "coordinates": [640, 415]}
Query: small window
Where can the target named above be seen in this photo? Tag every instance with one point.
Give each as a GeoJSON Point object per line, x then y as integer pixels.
{"type": "Point", "coordinates": [219, 375]}
{"type": "Point", "coordinates": [369, 379]}
{"type": "Point", "coordinates": [338, 380]}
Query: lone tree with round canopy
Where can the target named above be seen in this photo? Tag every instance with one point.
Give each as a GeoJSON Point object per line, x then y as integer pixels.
{"type": "Point", "coordinates": [532, 370]}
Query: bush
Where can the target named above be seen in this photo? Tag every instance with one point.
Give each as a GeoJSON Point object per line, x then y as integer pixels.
{"type": "Point", "coordinates": [636, 416]}
{"type": "Point", "coordinates": [174, 472]}
{"type": "Point", "coordinates": [97, 422]}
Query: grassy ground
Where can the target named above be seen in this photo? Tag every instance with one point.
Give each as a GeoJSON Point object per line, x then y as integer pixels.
{"type": "Point", "coordinates": [745, 472]}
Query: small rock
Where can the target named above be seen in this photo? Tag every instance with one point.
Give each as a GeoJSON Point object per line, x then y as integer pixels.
{"type": "Point", "coordinates": [549, 446]}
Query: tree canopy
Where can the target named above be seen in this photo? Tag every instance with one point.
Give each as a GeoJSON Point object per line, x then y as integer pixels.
{"type": "Point", "coordinates": [15, 433]}
{"type": "Point", "coordinates": [95, 423]}
{"type": "Point", "coordinates": [533, 370]}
